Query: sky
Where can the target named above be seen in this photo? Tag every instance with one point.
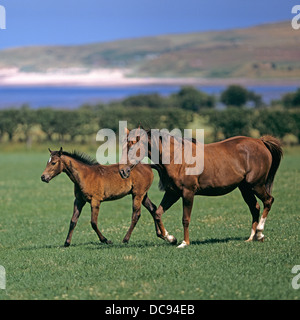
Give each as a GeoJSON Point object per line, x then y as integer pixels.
{"type": "Point", "coordinates": [71, 22]}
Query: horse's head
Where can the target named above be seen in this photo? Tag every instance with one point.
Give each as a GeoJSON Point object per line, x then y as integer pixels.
{"type": "Point", "coordinates": [54, 166]}
{"type": "Point", "coordinates": [134, 150]}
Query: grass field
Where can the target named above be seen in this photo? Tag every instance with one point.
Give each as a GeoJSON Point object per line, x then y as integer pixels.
{"type": "Point", "coordinates": [219, 264]}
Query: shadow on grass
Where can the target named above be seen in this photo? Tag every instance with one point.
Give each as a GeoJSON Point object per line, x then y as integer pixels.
{"type": "Point", "coordinates": [94, 245]}
{"type": "Point", "coordinates": [215, 240]}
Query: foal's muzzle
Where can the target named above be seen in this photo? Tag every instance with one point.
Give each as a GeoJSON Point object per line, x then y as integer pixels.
{"type": "Point", "coordinates": [125, 173]}
{"type": "Point", "coordinates": [45, 179]}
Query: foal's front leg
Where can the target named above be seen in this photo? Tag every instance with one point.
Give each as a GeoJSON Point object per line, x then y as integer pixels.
{"type": "Point", "coordinates": [94, 219]}
{"type": "Point", "coordinates": [78, 205]}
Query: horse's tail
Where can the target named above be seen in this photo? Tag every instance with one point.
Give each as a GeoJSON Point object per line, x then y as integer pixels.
{"type": "Point", "coordinates": [275, 148]}
{"type": "Point", "coordinates": [161, 185]}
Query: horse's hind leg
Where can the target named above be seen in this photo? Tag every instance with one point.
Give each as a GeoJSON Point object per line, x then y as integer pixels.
{"type": "Point", "coordinates": [267, 200]}
{"type": "Point", "coordinates": [253, 205]}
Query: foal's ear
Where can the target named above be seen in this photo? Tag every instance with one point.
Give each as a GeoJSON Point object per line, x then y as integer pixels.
{"type": "Point", "coordinates": [49, 150]}
{"type": "Point", "coordinates": [126, 131]}
{"type": "Point", "coordinates": [60, 151]}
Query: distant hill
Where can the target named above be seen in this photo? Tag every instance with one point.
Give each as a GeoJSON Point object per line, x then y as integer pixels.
{"type": "Point", "coordinates": [264, 51]}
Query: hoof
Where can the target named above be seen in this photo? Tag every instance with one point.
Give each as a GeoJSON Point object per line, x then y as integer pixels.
{"type": "Point", "coordinates": [171, 239]}
{"type": "Point", "coordinates": [168, 237]}
{"type": "Point", "coordinates": [259, 236]}
{"type": "Point", "coordinates": [255, 238]}
{"type": "Point", "coordinates": [183, 245]}
{"type": "Point", "coordinates": [261, 239]}
{"type": "Point", "coordinates": [67, 244]}
{"type": "Point", "coordinates": [125, 241]}
{"type": "Point", "coordinates": [106, 241]}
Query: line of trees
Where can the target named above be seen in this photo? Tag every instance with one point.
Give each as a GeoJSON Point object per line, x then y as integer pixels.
{"type": "Point", "coordinates": [190, 98]}
{"type": "Point", "coordinates": [154, 111]}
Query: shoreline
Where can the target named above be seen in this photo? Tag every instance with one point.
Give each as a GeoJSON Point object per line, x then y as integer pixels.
{"type": "Point", "coordinates": [120, 78]}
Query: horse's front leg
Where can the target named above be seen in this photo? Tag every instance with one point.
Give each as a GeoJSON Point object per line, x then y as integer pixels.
{"type": "Point", "coordinates": [78, 205]}
{"type": "Point", "coordinates": [187, 200]}
{"type": "Point", "coordinates": [95, 206]}
{"type": "Point", "coordinates": [151, 207]}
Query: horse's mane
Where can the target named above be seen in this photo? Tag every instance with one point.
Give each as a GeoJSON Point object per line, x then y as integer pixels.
{"type": "Point", "coordinates": [82, 157]}
{"type": "Point", "coordinates": [180, 139]}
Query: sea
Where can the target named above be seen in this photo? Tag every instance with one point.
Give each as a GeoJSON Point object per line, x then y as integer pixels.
{"type": "Point", "coordinates": [74, 97]}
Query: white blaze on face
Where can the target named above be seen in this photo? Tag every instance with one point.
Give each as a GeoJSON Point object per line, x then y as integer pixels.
{"type": "Point", "coordinates": [50, 160]}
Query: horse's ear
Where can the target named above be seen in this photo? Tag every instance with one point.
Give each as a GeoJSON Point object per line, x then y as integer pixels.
{"type": "Point", "coordinates": [126, 131]}
{"type": "Point", "coordinates": [49, 150]}
{"type": "Point", "coordinates": [60, 151]}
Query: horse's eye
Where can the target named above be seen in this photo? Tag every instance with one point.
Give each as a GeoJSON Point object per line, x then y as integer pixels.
{"type": "Point", "coordinates": [53, 163]}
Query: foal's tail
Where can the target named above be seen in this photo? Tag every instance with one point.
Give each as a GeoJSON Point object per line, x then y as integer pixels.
{"type": "Point", "coordinates": [275, 148]}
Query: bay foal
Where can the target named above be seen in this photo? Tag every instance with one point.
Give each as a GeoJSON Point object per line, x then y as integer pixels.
{"type": "Point", "coordinates": [95, 183]}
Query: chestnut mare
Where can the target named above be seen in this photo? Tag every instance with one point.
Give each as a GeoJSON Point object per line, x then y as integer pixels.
{"type": "Point", "coordinates": [247, 163]}
{"type": "Point", "coordinates": [95, 183]}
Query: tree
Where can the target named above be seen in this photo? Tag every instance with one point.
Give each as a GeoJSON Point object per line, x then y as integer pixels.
{"type": "Point", "coordinates": [275, 122]}
{"type": "Point", "coordinates": [26, 118]}
{"type": "Point", "coordinates": [292, 99]}
{"type": "Point", "coordinates": [255, 98]}
{"type": "Point", "coordinates": [189, 98]}
{"type": "Point", "coordinates": [232, 122]}
{"type": "Point", "coordinates": [234, 95]}
{"type": "Point", "coordinates": [9, 122]}
{"type": "Point", "coordinates": [46, 119]}
{"type": "Point", "coordinates": [145, 100]}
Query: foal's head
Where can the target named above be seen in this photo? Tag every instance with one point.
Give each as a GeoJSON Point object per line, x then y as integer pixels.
{"type": "Point", "coordinates": [54, 166]}
{"type": "Point", "coordinates": [134, 150]}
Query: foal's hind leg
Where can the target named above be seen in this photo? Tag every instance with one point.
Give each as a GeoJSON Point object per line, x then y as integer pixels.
{"type": "Point", "coordinates": [78, 205]}
{"type": "Point", "coordinates": [267, 200]}
{"type": "Point", "coordinates": [253, 205]}
{"type": "Point", "coordinates": [136, 213]}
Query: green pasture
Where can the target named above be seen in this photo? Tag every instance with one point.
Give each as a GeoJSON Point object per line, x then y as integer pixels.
{"type": "Point", "coordinates": [219, 264]}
